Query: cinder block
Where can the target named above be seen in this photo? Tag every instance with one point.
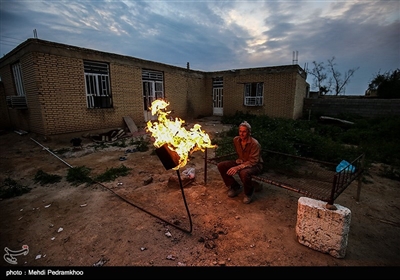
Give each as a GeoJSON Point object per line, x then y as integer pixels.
{"type": "Point", "coordinates": [322, 229]}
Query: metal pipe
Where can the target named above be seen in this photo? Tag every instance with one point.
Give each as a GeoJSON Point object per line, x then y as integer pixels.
{"type": "Point", "coordinates": [205, 166]}
{"type": "Point", "coordinates": [47, 149]}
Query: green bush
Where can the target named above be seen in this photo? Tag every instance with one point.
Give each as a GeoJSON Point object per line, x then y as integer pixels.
{"type": "Point", "coordinates": [376, 137]}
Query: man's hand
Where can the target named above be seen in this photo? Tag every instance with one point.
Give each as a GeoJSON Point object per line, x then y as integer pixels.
{"type": "Point", "coordinates": [233, 170]}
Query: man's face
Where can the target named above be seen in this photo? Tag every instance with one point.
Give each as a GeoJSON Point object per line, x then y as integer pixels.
{"type": "Point", "coordinates": [243, 132]}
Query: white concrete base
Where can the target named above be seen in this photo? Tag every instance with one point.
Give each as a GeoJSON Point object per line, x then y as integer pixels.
{"type": "Point", "coordinates": [321, 229]}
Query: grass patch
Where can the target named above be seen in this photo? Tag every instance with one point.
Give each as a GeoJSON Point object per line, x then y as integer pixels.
{"type": "Point", "coordinates": [141, 145]}
{"type": "Point", "coordinates": [10, 188]}
{"type": "Point", "coordinates": [79, 175]}
{"type": "Point", "coordinates": [43, 178]}
{"type": "Point", "coordinates": [112, 173]}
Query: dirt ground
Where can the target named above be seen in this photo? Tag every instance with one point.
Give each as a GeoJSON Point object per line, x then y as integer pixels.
{"type": "Point", "coordinates": [145, 220]}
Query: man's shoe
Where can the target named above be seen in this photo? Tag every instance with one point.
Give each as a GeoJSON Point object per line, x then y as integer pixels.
{"type": "Point", "coordinates": [234, 192]}
{"type": "Point", "coordinates": [247, 199]}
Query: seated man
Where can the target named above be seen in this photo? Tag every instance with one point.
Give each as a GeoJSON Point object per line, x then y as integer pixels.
{"type": "Point", "coordinates": [249, 162]}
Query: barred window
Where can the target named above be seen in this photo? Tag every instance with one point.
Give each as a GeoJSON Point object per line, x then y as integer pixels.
{"type": "Point", "coordinates": [253, 94]}
{"type": "Point", "coordinates": [17, 74]}
{"type": "Point", "coordinates": [97, 81]}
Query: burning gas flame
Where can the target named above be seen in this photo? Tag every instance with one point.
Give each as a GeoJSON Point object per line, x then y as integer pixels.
{"type": "Point", "coordinates": [178, 139]}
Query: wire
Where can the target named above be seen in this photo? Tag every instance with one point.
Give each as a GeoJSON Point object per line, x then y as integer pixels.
{"type": "Point", "coordinates": [172, 224]}
{"type": "Point", "coordinates": [127, 201]}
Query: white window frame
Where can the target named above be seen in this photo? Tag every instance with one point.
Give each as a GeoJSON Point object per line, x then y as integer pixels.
{"type": "Point", "coordinates": [97, 84]}
{"type": "Point", "coordinates": [153, 87]}
{"type": "Point", "coordinates": [254, 94]}
{"type": "Point", "coordinates": [18, 81]}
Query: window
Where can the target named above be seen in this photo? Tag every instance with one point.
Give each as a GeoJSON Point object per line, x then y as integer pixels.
{"type": "Point", "coordinates": [153, 87]}
{"type": "Point", "coordinates": [19, 100]}
{"type": "Point", "coordinates": [17, 74]}
{"type": "Point", "coordinates": [97, 81]}
{"type": "Point", "coordinates": [253, 94]}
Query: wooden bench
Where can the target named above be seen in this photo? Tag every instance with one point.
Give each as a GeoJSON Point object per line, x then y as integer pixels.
{"type": "Point", "coordinates": [309, 177]}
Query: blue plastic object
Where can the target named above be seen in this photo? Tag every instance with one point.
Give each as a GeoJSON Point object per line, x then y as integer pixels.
{"type": "Point", "coordinates": [345, 165]}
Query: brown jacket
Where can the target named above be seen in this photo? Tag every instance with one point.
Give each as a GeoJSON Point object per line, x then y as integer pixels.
{"type": "Point", "coordinates": [251, 154]}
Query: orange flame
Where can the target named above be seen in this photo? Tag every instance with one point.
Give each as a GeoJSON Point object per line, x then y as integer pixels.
{"type": "Point", "coordinates": [178, 139]}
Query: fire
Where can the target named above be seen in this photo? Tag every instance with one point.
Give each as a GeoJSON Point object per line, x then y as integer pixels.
{"type": "Point", "coordinates": [183, 142]}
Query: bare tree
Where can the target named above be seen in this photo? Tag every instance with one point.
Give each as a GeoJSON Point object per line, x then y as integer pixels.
{"type": "Point", "coordinates": [340, 84]}
{"type": "Point", "coordinates": [319, 78]}
{"type": "Point", "coordinates": [324, 84]}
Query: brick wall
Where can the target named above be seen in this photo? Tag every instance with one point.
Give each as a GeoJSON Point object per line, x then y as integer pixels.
{"type": "Point", "coordinates": [55, 92]}
{"type": "Point", "coordinates": [284, 87]}
{"type": "Point", "coordinates": [362, 106]}
{"type": "Point", "coordinates": [53, 75]}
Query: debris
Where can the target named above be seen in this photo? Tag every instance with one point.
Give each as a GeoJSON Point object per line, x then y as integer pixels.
{"type": "Point", "coordinates": [143, 248]}
{"type": "Point", "coordinates": [60, 229]}
{"type": "Point", "coordinates": [110, 136]}
{"type": "Point", "coordinates": [119, 184]}
{"type": "Point", "coordinates": [100, 262]}
{"type": "Point", "coordinates": [189, 173]}
{"type": "Point", "coordinates": [174, 182]}
{"type": "Point", "coordinates": [20, 132]}
{"type": "Point", "coordinates": [20, 218]}
{"type": "Point", "coordinates": [53, 238]}
{"type": "Point", "coordinates": [38, 257]}
{"type": "Point", "coordinates": [83, 205]}
{"type": "Point", "coordinates": [131, 124]}
{"type": "Point", "coordinates": [122, 158]}
{"type": "Point", "coordinates": [170, 257]}
{"type": "Point", "coordinates": [168, 234]}
{"type": "Point", "coordinates": [47, 206]}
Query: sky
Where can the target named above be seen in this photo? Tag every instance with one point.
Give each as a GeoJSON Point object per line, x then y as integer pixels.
{"type": "Point", "coordinates": [216, 35]}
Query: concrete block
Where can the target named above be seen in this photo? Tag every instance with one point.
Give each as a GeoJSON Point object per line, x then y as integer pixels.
{"type": "Point", "coordinates": [322, 229]}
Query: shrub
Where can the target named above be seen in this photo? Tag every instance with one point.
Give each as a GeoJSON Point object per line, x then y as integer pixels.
{"type": "Point", "coordinates": [79, 175]}
{"type": "Point", "coordinates": [11, 188]}
{"type": "Point", "coordinates": [112, 173]}
{"type": "Point", "coordinates": [45, 178]}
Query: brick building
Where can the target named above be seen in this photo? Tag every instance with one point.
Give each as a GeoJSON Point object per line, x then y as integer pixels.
{"type": "Point", "coordinates": [53, 89]}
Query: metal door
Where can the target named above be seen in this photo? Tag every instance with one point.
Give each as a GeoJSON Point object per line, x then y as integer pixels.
{"type": "Point", "coordinates": [218, 96]}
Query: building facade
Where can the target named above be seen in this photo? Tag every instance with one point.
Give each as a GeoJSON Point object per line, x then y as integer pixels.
{"type": "Point", "coordinates": [53, 89]}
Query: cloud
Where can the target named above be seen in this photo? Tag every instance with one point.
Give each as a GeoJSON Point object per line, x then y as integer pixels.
{"type": "Point", "coordinates": [218, 35]}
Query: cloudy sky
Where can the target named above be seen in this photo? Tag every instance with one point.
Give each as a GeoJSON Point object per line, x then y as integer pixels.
{"type": "Point", "coordinates": [217, 35]}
